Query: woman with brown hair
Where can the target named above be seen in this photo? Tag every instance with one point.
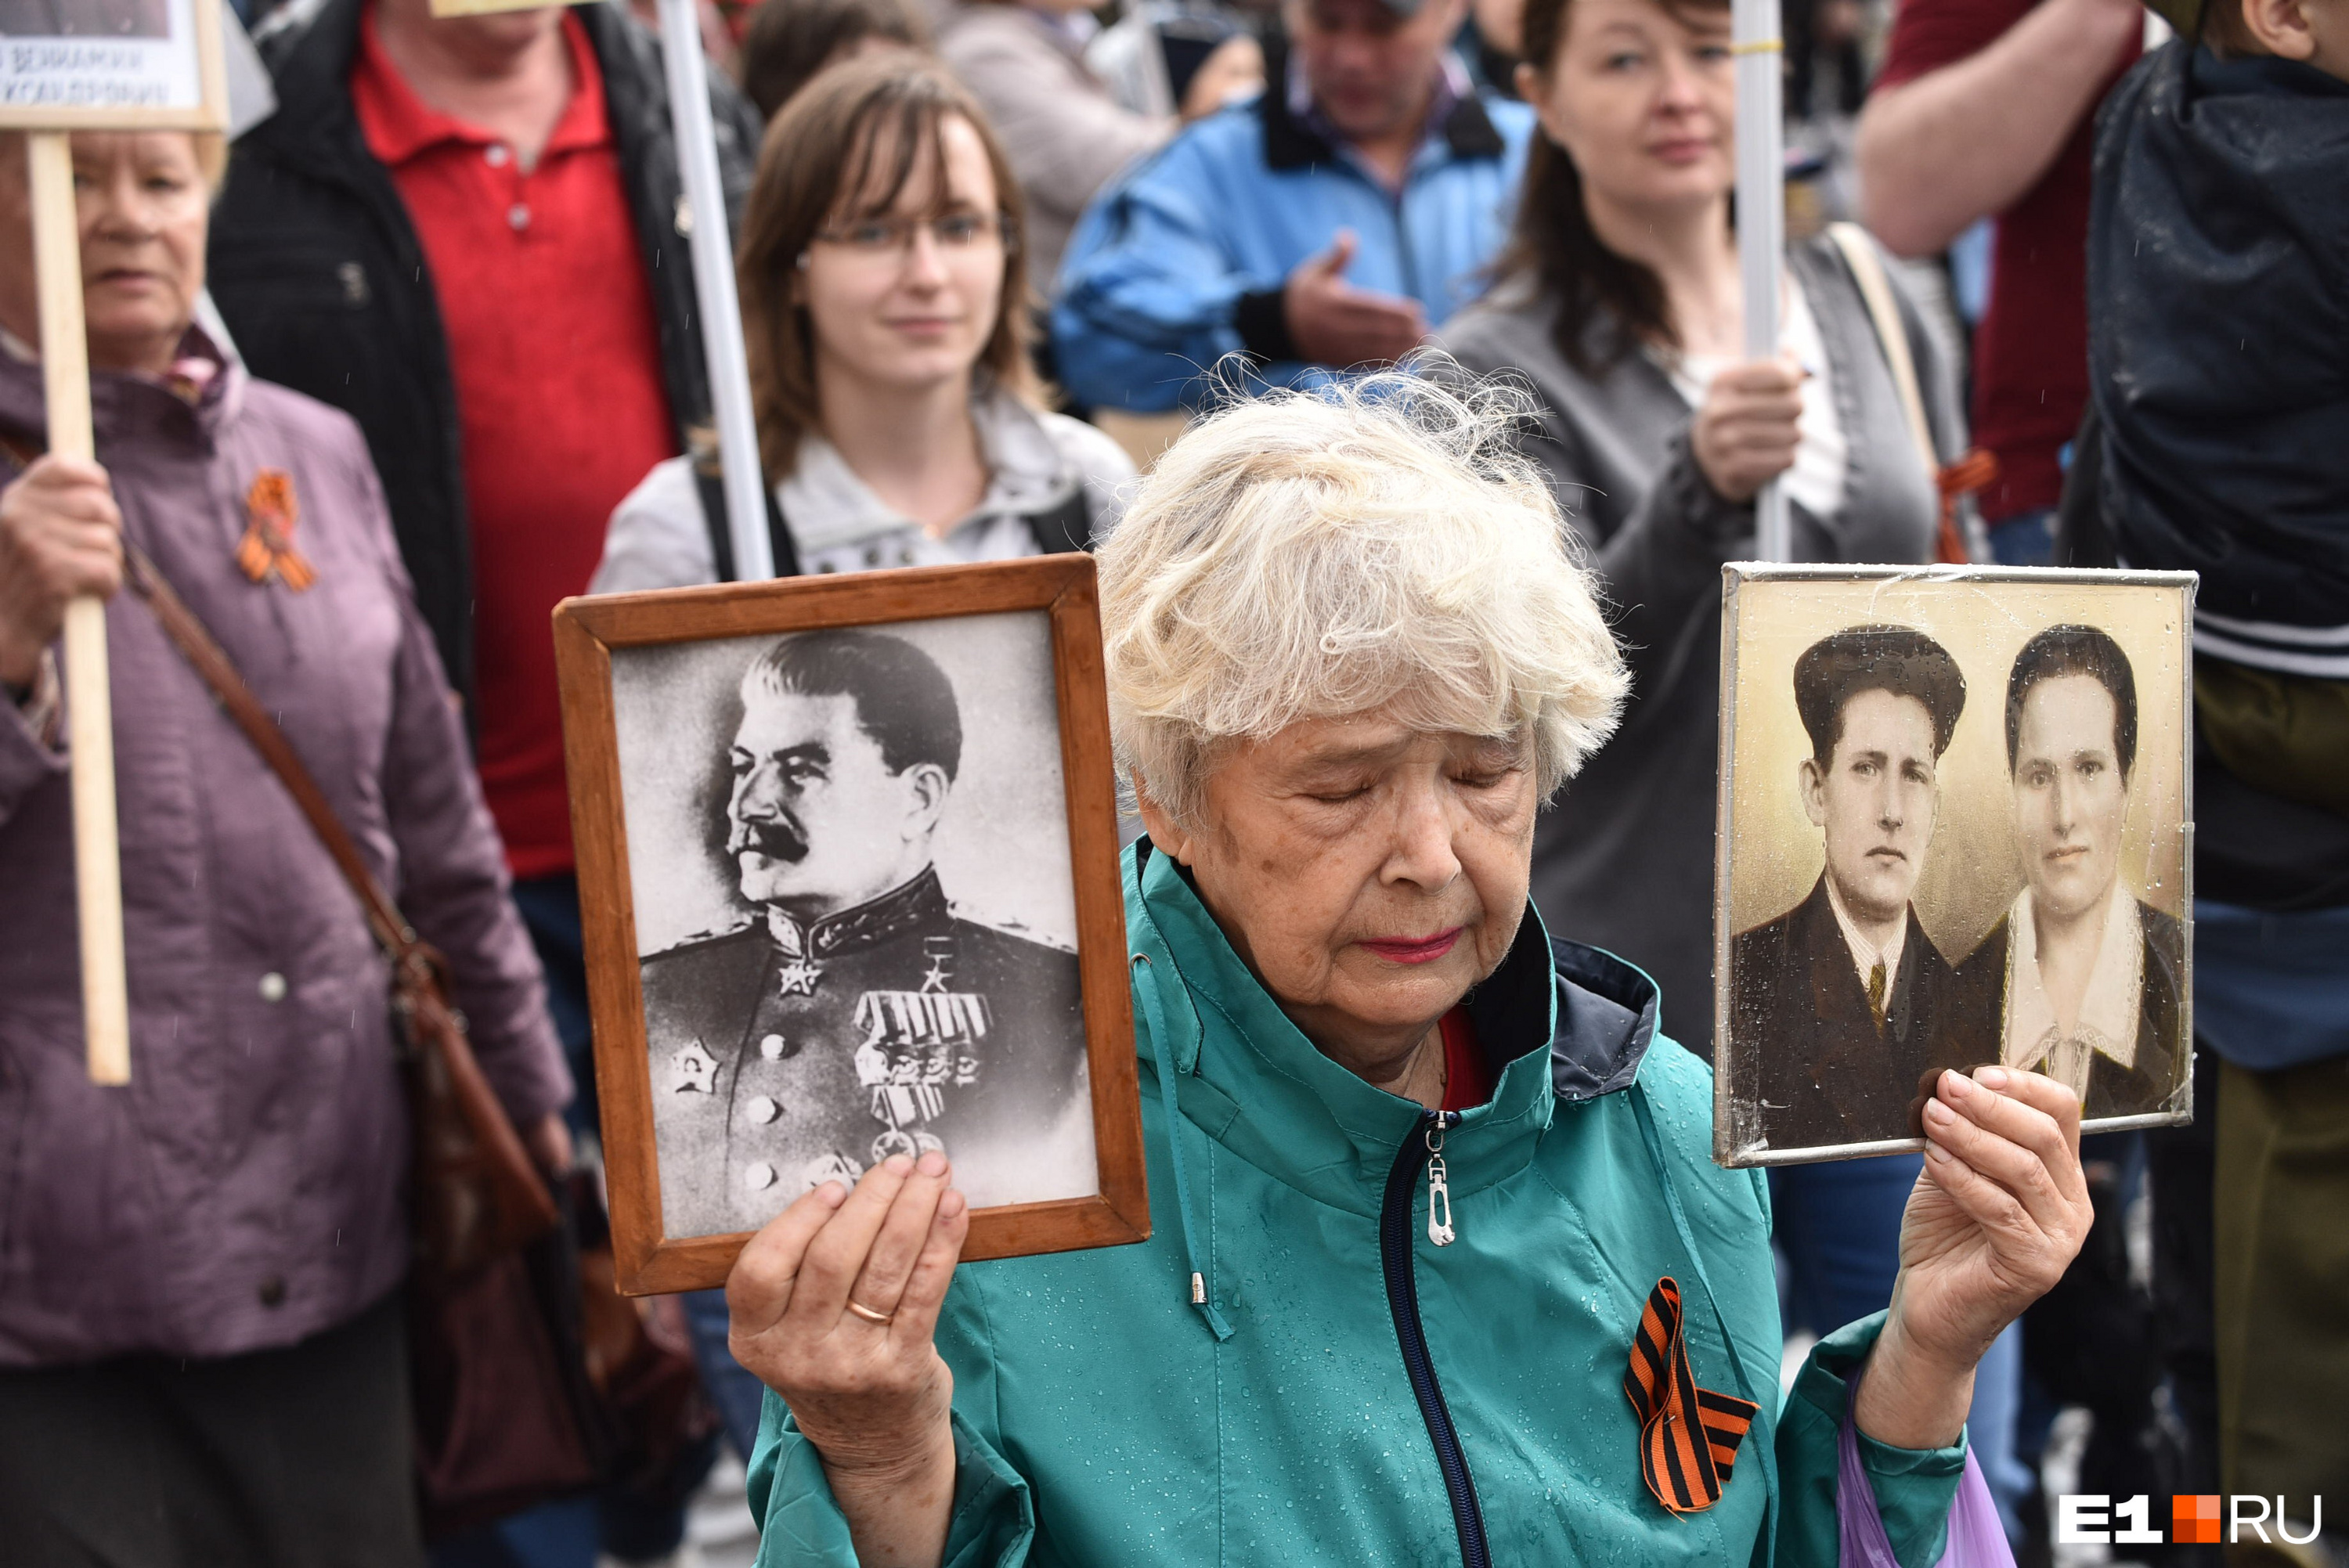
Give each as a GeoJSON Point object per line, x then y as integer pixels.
{"type": "Point", "coordinates": [1619, 300]}
{"type": "Point", "coordinates": [883, 306]}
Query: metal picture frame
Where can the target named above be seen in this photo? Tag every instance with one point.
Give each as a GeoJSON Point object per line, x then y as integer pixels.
{"type": "Point", "coordinates": [1988, 614]}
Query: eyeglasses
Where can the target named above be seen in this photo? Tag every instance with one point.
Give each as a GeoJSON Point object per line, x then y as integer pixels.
{"type": "Point", "coordinates": [887, 239]}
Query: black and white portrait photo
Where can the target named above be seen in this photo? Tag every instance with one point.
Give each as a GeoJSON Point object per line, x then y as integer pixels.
{"type": "Point", "coordinates": [851, 876]}
{"type": "Point", "coordinates": [1953, 834]}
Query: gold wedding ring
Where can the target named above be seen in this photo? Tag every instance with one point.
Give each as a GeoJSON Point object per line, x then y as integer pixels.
{"type": "Point", "coordinates": [868, 1314]}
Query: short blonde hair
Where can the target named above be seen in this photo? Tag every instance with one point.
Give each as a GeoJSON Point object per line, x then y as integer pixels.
{"type": "Point", "coordinates": [1378, 545]}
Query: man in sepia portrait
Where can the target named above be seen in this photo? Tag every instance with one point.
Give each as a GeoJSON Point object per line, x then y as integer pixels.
{"type": "Point", "coordinates": [855, 1015]}
{"type": "Point", "coordinates": [1839, 999]}
{"type": "Point", "coordinates": [2080, 978]}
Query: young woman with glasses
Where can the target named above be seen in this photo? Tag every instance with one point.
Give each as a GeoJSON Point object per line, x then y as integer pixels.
{"type": "Point", "coordinates": [886, 319]}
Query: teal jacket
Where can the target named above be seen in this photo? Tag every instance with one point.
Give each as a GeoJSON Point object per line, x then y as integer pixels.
{"type": "Point", "coordinates": [1349, 1392]}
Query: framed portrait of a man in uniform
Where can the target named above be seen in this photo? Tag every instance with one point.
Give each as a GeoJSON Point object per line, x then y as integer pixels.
{"type": "Point", "coordinates": [1955, 824]}
{"type": "Point", "coordinates": [847, 855]}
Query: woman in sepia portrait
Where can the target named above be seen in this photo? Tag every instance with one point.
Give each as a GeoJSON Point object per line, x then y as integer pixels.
{"type": "Point", "coordinates": [2081, 978]}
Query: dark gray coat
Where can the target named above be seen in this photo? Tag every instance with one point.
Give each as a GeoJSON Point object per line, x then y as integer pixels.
{"type": "Point", "coordinates": [1623, 860]}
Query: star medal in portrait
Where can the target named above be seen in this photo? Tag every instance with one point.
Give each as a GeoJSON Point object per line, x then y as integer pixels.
{"type": "Point", "coordinates": [796, 977]}
{"type": "Point", "coordinates": [267, 551]}
{"type": "Point", "coordinates": [918, 1045]}
{"type": "Point", "coordinates": [692, 1070]}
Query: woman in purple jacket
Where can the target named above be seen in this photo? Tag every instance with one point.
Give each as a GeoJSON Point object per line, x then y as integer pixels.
{"type": "Point", "coordinates": [200, 1346]}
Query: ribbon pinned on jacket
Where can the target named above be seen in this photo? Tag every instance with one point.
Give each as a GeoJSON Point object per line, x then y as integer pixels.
{"type": "Point", "coordinates": [267, 550]}
{"type": "Point", "coordinates": [1688, 1435]}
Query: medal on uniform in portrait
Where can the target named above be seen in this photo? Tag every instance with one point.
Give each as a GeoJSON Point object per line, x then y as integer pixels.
{"type": "Point", "coordinates": [692, 1070]}
{"type": "Point", "coordinates": [917, 1045]}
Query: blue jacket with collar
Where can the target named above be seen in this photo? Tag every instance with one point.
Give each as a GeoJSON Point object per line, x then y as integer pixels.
{"type": "Point", "coordinates": [1181, 261]}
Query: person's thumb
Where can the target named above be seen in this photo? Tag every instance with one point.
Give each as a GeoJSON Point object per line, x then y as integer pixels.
{"type": "Point", "coordinates": [1333, 262]}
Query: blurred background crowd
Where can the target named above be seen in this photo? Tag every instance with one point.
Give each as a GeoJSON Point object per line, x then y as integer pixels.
{"type": "Point", "coordinates": [992, 255]}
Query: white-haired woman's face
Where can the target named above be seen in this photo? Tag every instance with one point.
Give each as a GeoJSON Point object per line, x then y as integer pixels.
{"type": "Point", "coordinates": [1366, 873]}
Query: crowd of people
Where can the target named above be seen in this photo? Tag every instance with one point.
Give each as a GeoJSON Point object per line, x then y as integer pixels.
{"type": "Point", "coordinates": [417, 357]}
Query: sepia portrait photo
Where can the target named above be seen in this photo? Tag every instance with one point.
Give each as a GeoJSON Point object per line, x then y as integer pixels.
{"type": "Point", "coordinates": [852, 914]}
{"type": "Point", "coordinates": [1954, 832]}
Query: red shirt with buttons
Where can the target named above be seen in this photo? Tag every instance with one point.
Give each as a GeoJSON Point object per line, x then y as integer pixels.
{"type": "Point", "coordinates": [556, 350]}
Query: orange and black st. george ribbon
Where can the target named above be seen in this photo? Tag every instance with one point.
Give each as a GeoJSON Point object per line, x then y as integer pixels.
{"type": "Point", "coordinates": [1688, 1435]}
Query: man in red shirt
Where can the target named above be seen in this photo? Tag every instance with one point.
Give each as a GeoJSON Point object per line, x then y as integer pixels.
{"type": "Point", "coordinates": [469, 233]}
{"type": "Point", "coordinates": [1983, 111]}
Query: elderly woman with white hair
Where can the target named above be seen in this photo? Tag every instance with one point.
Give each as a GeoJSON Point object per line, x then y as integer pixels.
{"type": "Point", "coordinates": [1439, 1267]}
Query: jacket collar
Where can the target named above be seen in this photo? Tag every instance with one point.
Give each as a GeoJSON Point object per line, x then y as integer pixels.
{"type": "Point", "coordinates": [311, 45]}
{"type": "Point", "coordinates": [127, 408]}
{"type": "Point", "coordinates": [829, 505]}
{"type": "Point", "coordinates": [1562, 1022]}
{"type": "Point", "coordinates": [2258, 77]}
{"type": "Point", "coordinates": [911, 906]}
{"type": "Point", "coordinates": [1291, 143]}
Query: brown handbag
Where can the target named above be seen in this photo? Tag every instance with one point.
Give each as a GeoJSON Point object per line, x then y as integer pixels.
{"type": "Point", "coordinates": [506, 1414]}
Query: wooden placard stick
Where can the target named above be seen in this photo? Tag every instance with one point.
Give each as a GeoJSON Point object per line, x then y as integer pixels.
{"type": "Point", "coordinates": [90, 707]}
{"type": "Point", "coordinates": [81, 67]}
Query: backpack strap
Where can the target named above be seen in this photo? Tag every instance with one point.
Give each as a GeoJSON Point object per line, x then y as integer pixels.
{"type": "Point", "coordinates": [709, 484]}
{"type": "Point", "coordinates": [1065, 527]}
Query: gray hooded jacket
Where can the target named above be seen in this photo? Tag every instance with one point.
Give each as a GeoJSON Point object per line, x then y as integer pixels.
{"type": "Point", "coordinates": [1623, 860]}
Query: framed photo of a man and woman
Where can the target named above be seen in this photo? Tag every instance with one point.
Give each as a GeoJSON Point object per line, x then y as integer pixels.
{"type": "Point", "coordinates": [1955, 831]}
{"type": "Point", "coordinates": [849, 885]}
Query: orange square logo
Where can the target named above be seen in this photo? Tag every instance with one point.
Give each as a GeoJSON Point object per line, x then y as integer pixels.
{"type": "Point", "coordinates": [2194, 1520]}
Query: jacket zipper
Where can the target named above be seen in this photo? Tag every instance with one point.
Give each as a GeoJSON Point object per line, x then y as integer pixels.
{"type": "Point", "coordinates": [1395, 1258]}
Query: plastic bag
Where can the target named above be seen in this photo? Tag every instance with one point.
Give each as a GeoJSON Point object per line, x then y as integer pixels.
{"type": "Point", "coordinates": [1977, 1537]}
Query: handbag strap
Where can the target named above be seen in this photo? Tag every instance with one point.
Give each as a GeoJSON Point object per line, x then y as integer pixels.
{"type": "Point", "coordinates": [1972, 469]}
{"type": "Point", "coordinates": [211, 662]}
{"type": "Point", "coordinates": [196, 643]}
{"type": "Point", "coordinates": [709, 486]}
{"type": "Point", "coordinates": [1867, 266]}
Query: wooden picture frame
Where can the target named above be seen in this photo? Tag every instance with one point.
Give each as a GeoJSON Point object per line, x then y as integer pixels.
{"type": "Point", "coordinates": [590, 633]}
{"type": "Point", "coordinates": [2018, 743]}
{"type": "Point", "coordinates": [491, 7]}
{"type": "Point", "coordinates": [41, 89]}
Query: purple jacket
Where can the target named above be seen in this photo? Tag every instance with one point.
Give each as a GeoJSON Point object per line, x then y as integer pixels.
{"type": "Point", "coordinates": [244, 1190]}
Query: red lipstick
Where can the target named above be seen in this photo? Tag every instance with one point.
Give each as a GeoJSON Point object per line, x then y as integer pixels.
{"type": "Point", "coordinates": [1413, 949]}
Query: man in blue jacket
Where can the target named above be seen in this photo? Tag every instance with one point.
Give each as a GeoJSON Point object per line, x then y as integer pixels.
{"type": "Point", "coordinates": [1328, 223]}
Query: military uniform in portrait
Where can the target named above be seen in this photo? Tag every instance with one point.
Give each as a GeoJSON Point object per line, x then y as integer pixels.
{"type": "Point", "coordinates": [786, 1055]}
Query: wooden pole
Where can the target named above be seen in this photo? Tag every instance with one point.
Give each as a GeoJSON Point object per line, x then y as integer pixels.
{"type": "Point", "coordinates": [89, 707]}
